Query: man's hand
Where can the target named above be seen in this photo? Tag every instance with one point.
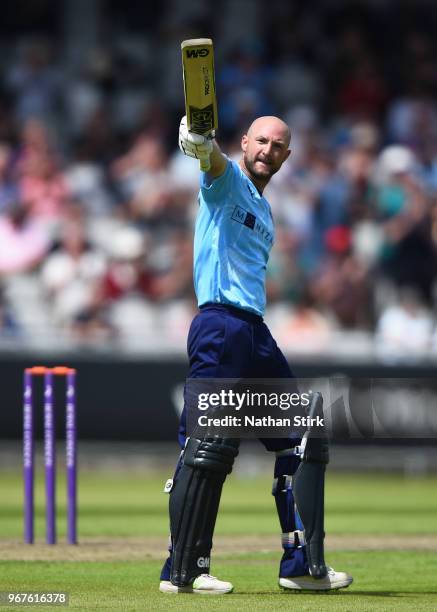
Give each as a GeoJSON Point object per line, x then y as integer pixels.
{"type": "Point", "coordinates": [194, 145]}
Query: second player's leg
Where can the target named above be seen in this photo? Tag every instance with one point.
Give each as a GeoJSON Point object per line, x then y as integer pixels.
{"type": "Point", "coordinates": [298, 489]}
{"type": "Point", "coordinates": [271, 363]}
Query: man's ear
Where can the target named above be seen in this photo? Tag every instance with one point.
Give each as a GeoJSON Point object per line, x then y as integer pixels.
{"type": "Point", "coordinates": [244, 142]}
{"type": "Point", "coordinates": [287, 154]}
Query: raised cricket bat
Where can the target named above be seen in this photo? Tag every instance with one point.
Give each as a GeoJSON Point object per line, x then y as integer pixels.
{"type": "Point", "coordinates": [199, 88]}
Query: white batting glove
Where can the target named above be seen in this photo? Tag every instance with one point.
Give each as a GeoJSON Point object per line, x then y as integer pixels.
{"type": "Point", "coordinates": [193, 145]}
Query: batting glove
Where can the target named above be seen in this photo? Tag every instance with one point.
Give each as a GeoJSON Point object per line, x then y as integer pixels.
{"type": "Point", "coordinates": [193, 145]}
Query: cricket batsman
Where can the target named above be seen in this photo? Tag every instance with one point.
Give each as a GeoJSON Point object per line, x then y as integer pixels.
{"type": "Point", "coordinates": [229, 339]}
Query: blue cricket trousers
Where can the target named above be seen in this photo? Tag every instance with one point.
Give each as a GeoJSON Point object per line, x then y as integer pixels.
{"type": "Point", "coordinates": [228, 342]}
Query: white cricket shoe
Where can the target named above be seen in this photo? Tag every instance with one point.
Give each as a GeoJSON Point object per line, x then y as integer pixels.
{"type": "Point", "coordinates": [333, 580]}
{"type": "Point", "coordinates": [202, 585]}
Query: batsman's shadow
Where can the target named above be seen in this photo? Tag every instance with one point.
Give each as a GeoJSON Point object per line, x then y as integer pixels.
{"type": "Point", "coordinates": [403, 594]}
{"type": "Point", "coordinates": [338, 593]}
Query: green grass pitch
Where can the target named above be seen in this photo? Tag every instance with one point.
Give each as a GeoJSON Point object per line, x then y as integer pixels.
{"type": "Point", "coordinates": [381, 528]}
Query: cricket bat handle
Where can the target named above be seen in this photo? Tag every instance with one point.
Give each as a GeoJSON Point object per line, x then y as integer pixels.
{"type": "Point", "coordinates": [205, 164]}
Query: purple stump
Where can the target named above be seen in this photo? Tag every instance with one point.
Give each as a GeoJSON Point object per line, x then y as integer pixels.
{"type": "Point", "coordinates": [28, 454]}
{"type": "Point", "coordinates": [50, 458]}
{"type": "Point", "coordinates": [71, 457]}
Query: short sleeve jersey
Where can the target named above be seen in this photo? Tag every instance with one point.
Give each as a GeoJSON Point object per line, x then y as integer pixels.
{"type": "Point", "coordinates": [233, 238]}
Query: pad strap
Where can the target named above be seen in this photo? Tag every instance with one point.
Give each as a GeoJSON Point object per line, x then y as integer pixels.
{"type": "Point", "coordinates": [282, 484]}
{"type": "Point", "coordinates": [287, 452]}
{"type": "Point", "coordinates": [293, 539]}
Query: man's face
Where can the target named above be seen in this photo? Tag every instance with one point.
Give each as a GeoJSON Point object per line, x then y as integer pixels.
{"type": "Point", "coordinates": [265, 148]}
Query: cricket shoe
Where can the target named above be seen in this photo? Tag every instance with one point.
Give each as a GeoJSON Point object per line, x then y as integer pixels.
{"type": "Point", "coordinates": [332, 581]}
{"type": "Point", "coordinates": [202, 585]}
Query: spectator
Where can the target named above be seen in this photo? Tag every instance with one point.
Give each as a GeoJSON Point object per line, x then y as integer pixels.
{"type": "Point", "coordinates": [24, 241]}
{"type": "Point", "coordinates": [341, 284]}
{"type": "Point", "coordinates": [243, 84]}
{"type": "Point", "coordinates": [404, 329]}
{"type": "Point", "coordinates": [8, 188]}
{"type": "Point", "coordinates": [9, 328]}
{"type": "Point", "coordinates": [306, 329]}
{"type": "Point", "coordinates": [151, 193]}
{"type": "Point", "coordinates": [127, 271]}
{"type": "Point", "coordinates": [35, 82]}
{"type": "Point", "coordinates": [409, 255]}
{"type": "Point", "coordinates": [71, 273]}
{"type": "Point", "coordinates": [42, 185]}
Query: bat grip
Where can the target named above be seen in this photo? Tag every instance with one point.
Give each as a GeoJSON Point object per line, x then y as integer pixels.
{"type": "Point", "coordinates": [205, 164]}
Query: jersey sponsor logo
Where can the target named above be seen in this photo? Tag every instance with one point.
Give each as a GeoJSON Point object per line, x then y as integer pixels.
{"type": "Point", "coordinates": [248, 219]}
{"type": "Point", "coordinates": [203, 562]}
{"type": "Point", "coordinates": [263, 232]}
{"type": "Point", "coordinates": [197, 53]}
{"type": "Point", "coordinates": [240, 215]}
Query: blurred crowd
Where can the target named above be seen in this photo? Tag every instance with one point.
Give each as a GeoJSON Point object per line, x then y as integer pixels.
{"type": "Point", "coordinates": [97, 203]}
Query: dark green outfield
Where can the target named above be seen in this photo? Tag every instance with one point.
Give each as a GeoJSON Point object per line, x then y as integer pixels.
{"type": "Point", "coordinates": [124, 505]}
{"type": "Point", "coordinates": [383, 581]}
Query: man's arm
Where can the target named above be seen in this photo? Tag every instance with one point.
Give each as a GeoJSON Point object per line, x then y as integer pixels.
{"type": "Point", "coordinates": [201, 147]}
{"type": "Point", "coordinates": [217, 161]}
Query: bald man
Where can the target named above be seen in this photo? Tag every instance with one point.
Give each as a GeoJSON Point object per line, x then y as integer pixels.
{"type": "Point", "coordinates": [228, 339]}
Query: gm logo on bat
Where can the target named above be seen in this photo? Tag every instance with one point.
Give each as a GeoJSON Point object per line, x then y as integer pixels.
{"type": "Point", "coordinates": [197, 53]}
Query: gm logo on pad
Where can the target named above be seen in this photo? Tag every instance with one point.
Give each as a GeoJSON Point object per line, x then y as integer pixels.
{"type": "Point", "coordinates": [203, 562]}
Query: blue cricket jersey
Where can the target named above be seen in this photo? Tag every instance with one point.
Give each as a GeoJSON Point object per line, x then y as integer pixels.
{"type": "Point", "coordinates": [233, 238]}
